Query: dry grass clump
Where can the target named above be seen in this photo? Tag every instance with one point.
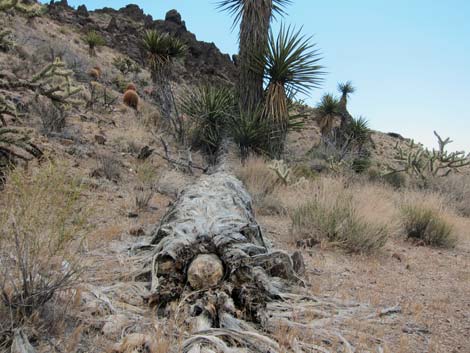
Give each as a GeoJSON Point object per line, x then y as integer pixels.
{"type": "Point", "coordinates": [258, 178]}
{"type": "Point", "coordinates": [335, 219]}
{"type": "Point", "coordinates": [146, 174]}
{"type": "Point", "coordinates": [42, 223]}
{"type": "Point", "coordinates": [455, 189]}
{"type": "Point", "coordinates": [427, 226]}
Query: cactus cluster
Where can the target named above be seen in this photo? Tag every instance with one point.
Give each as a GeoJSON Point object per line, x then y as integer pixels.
{"type": "Point", "coordinates": [282, 171]}
{"type": "Point", "coordinates": [126, 65]}
{"type": "Point", "coordinates": [422, 163]}
{"type": "Point", "coordinates": [6, 108]}
{"type": "Point", "coordinates": [16, 144]}
{"type": "Point", "coordinates": [6, 43]}
{"type": "Point", "coordinates": [55, 82]}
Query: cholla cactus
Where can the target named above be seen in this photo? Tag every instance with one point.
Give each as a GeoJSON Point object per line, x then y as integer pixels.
{"type": "Point", "coordinates": [16, 144]}
{"type": "Point", "coordinates": [6, 43]}
{"type": "Point", "coordinates": [282, 171]}
{"type": "Point", "coordinates": [126, 65]}
{"type": "Point", "coordinates": [6, 108]}
{"type": "Point", "coordinates": [423, 164]}
{"type": "Point", "coordinates": [54, 82]}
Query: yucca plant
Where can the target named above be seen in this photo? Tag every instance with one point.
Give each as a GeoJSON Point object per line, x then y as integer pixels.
{"type": "Point", "coordinates": [94, 40]}
{"type": "Point", "coordinates": [162, 49]}
{"type": "Point", "coordinates": [250, 132]}
{"type": "Point", "coordinates": [357, 131]}
{"type": "Point", "coordinates": [345, 89]}
{"type": "Point", "coordinates": [290, 63]}
{"type": "Point", "coordinates": [327, 110]}
{"type": "Point", "coordinates": [209, 108]}
{"type": "Point", "coordinates": [254, 17]}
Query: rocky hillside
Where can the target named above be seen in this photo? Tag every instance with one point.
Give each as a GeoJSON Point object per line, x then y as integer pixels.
{"type": "Point", "coordinates": [123, 28]}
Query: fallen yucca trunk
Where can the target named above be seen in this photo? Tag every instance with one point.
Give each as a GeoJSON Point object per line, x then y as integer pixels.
{"type": "Point", "coordinates": [210, 258]}
{"type": "Point", "coordinates": [210, 238]}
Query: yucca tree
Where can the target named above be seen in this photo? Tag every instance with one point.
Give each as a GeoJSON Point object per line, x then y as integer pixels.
{"type": "Point", "coordinates": [357, 131]}
{"type": "Point", "coordinates": [327, 110]}
{"type": "Point", "coordinates": [345, 89]}
{"type": "Point", "coordinates": [289, 64]}
{"type": "Point", "coordinates": [94, 40]}
{"type": "Point", "coordinates": [162, 49]}
{"type": "Point", "coordinates": [255, 18]}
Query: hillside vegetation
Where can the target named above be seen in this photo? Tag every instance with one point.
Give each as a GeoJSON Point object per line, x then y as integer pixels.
{"type": "Point", "coordinates": [107, 115]}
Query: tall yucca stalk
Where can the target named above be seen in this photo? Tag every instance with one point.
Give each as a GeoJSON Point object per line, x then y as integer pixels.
{"type": "Point", "coordinates": [255, 18]}
{"type": "Point", "coordinates": [345, 89]}
{"type": "Point", "coordinates": [289, 65]}
{"type": "Point", "coordinates": [161, 50]}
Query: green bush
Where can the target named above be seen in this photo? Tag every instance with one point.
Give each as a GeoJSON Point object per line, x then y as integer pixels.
{"type": "Point", "coordinates": [337, 221]}
{"type": "Point", "coordinates": [361, 164]}
{"type": "Point", "coordinates": [426, 226]}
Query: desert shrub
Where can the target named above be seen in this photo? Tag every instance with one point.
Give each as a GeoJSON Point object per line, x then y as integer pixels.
{"type": "Point", "coordinates": [396, 180]}
{"type": "Point", "coordinates": [425, 225]}
{"type": "Point", "coordinates": [334, 218]}
{"type": "Point", "coordinates": [258, 178]}
{"type": "Point", "coordinates": [131, 99]}
{"type": "Point", "coordinates": [146, 178]}
{"type": "Point", "coordinates": [304, 171]}
{"type": "Point", "coordinates": [108, 167]}
{"type": "Point", "coordinates": [361, 164]}
{"type": "Point", "coordinates": [52, 118]}
{"type": "Point", "coordinates": [42, 223]}
{"type": "Point", "coordinates": [94, 40]}
{"type": "Point", "coordinates": [455, 189]}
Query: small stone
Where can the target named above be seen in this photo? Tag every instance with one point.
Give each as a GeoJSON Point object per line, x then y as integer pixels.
{"type": "Point", "coordinates": [100, 139]}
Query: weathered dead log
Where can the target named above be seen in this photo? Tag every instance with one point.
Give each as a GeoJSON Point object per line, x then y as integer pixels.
{"type": "Point", "coordinates": [211, 259]}
{"type": "Point", "coordinates": [215, 216]}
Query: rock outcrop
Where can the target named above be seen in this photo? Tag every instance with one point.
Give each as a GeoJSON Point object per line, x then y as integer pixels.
{"type": "Point", "coordinates": [122, 29]}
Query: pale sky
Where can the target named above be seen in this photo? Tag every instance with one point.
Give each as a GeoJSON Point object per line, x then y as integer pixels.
{"type": "Point", "coordinates": [409, 59]}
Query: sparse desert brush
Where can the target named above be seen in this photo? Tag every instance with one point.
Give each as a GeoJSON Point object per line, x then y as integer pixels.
{"type": "Point", "coordinates": [131, 99]}
{"type": "Point", "coordinates": [258, 178]}
{"type": "Point", "coordinates": [455, 189]}
{"type": "Point", "coordinates": [42, 223]}
{"type": "Point", "coordinates": [108, 167]}
{"type": "Point", "coordinates": [337, 221]}
{"type": "Point", "coordinates": [427, 225]}
{"type": "Point", "coordinates": [146, 178]}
